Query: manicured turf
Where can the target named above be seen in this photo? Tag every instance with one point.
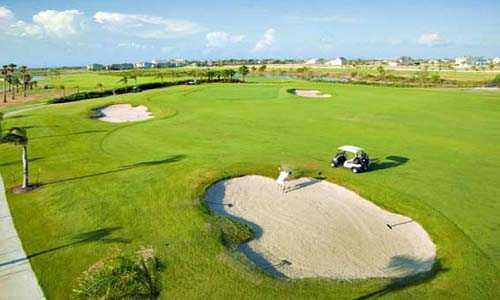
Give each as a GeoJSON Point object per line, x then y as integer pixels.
{"type": "Point", "coordinates": [113, 186]}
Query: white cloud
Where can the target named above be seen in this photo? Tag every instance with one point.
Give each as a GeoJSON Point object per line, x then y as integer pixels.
{"type": "Point", "coordinates": [432, 39]}
{"type": "Point", "coordinates": [51, 23]}
{"type": "Point", "coordinates": [60, 23]}
{"type": "Point", "coordinates": [144, 26]}
{"type": "Point", "coordinates": [266, 41]}
{"type": "Point", "coordinates": [220, 39]}
{"type": "Point", "coordinates": [11, 26]}
{"type": "Point", "coordinates": [6, 15]}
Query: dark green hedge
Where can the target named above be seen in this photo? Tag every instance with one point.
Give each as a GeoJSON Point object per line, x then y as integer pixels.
{"type": "Point", "coordinates": [124, 90]}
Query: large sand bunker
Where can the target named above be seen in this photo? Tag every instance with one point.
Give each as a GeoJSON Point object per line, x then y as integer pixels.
{"type": "Point", "coordinates": [311, 94]}
{"type": "Point", "coordinates": [320, 229]}
{"type": "Point", "coordinates": [120, 113]}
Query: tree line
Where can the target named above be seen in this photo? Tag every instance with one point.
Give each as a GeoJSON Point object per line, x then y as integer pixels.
{"type": "Point", "coordinates": [16, 80]}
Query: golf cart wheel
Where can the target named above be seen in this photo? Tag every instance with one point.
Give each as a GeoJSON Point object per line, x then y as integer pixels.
{"type": "Point", "coordinates": [355, 170]}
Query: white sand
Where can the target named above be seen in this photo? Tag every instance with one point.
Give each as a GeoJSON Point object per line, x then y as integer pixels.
{"type": "Point", "coordinates": [323, 229]}
{"type": "Point", "coordinates": [120, 113]}
{"type": "Point", "coordinates": [311, 94]}
{"type": "Point", "coordinates": [489, 89]}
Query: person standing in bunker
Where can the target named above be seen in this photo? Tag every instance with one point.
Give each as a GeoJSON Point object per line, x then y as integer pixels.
{"type": "Point", "coordinates": [282, 179]}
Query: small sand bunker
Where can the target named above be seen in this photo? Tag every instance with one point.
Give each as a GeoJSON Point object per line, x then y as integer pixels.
{"type": "Point", "coordinates": [320, 229]}
{"type": "Point", "coordinates": [120, 113]}
{"type": "Point", "coordinates": [311, 94]}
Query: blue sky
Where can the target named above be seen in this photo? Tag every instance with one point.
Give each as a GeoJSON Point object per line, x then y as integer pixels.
{"type": "Point", "coordinates": [76, 32]}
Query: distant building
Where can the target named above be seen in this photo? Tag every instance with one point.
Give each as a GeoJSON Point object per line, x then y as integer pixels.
{"type": "Point", "coordinates": [496, 61]}
{"type": "Point", "coordinates": [393, 64]}
{"type": "Point", "coordinates": [466, 62]}
{"type": "Point", "coordinates": [312, 61]}
{"type": "Point", "coordinates": [406, 61]}
{"type": "Point", "coordinates": [124, 66]}
{"type": "Point", "coordinates": [95, 67]}
{"type": "Point", "coordinates": [157, 63]}
{"type": "Point", "coordinates": [339, 61]}
{"type": "Point", "coordinates": [144, 65]}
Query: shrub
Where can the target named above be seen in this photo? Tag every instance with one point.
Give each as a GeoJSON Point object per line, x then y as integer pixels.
{"type": "Point", "coordinates": [122, 277]}
{"type": "Point", "coordinates": [496, 81]}
{"type": "Point", "coordinates": [233, 233]}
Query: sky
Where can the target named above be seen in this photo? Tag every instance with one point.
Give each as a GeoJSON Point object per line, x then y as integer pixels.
{"type": "Point", "coordinates": [77, 32]}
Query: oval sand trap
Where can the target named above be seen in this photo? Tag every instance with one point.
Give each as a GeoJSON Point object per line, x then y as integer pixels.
{"type": "Point", "coordinates": [311, 94]}
{"type": "Point", "coordinates": [320, 229]}
{"type": "Point", "coordinates": [120, 113]}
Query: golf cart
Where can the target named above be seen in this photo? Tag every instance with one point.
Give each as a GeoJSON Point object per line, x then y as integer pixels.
{"type": "Point", "coordinates": [357, 162]}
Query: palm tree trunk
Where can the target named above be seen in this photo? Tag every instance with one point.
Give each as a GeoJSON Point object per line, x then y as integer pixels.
{"type": "Point", "coordinates": [25, 167]}
{"type": "Point", "coordinates": [4, 90]}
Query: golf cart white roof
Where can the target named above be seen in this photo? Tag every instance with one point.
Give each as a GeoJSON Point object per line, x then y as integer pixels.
{"type": "Point", "coordinates": [351, 149]}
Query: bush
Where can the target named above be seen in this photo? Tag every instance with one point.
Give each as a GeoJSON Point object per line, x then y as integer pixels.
{"type": "Point", "coordinates": [496, 81]}
{"type": "Point", "coordinates": [122, 276]}
{"type": "Point", "coordinates": [233, 233]}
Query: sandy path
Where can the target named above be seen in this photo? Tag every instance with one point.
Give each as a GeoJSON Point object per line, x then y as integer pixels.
{"type": "Point", "coordinates": [323, 229]}
{"type": "Point", "coordinates": [17, 280]}
{"type": "Point", "coordinates": [311, 94]}
{"type": "Point", "coordinates": [120, 113]}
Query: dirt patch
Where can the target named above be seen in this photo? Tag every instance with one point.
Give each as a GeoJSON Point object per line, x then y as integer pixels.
{"type": "Point", "coordinates": [311, 94]}
{"type": "Point", "coordinates": [120, 113]}
{"type": "Point", "coordinates": [320, 229]}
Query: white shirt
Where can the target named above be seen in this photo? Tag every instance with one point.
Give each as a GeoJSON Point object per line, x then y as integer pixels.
{"type": "Point", "coordinates": [282, 177]}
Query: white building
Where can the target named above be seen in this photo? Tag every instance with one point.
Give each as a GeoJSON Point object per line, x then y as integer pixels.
{"type": "Point", "coordinates": [406, 61]}
{"type": "Point", "coordinates": [312, 61]}
{"type": "Point", "coordinates": [496, 61]}
{"type": "Point", "coordinates": [393, 64]}
{"type": "Point", "coordinates": [466, 62]}
{"type": "Point", "coordinates": [339, 61]}
{"type": "Point", "coordinates": [144, 65]}
{"type": "Point", "coordinates": [95, 67]}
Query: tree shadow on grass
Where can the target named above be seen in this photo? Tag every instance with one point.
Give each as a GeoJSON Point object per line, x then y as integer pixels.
{"type": "Point", "coordinates": [168, 160]}
{"type": "Point", "coordinates": [15, 162]}
{"type": "Point", "coordinates": [101, 236]}
{"type": "Point", "coordinates": [389, 162]}
{"type": "Point", "coordinates": [69, 134]}
{"type": "Point", "coordinates": [409, 264]}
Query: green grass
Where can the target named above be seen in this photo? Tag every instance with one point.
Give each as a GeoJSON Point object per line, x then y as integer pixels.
{"type": "Point", "coordinates": [127, 185]}
{"type": "Point", "coordinates": [89, 80]}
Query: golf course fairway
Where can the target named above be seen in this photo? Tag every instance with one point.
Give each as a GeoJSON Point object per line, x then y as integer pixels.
{"type": "Point", "coordinates": [108, 186]}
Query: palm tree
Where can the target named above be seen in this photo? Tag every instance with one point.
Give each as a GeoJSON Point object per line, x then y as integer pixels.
{"type": "Point", "coordinates": [244, 71]}
{"type": "Point", "coordinates": [63, 89]}
{"type": "Point", "coordinates": [14, 82]}
{"type": "Point", "coordinates": [160, 75]}
{"type": "Point", "coordinates": [124, 79]}
{"type": "Point", "coordinates": [5, 74]}
{"type": "Point", "coordinates": [18, 136]}
{"type": "Point", "coordinates": [12, 70]}
{"type": "Point", "coordinates": [100, 86]}
{"type": "Point", "coordinates": [134, 77]}
{"type": "Point", "coordinates": [1, 119]}
{"type": "Point", "coordinates": [26, 79]}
